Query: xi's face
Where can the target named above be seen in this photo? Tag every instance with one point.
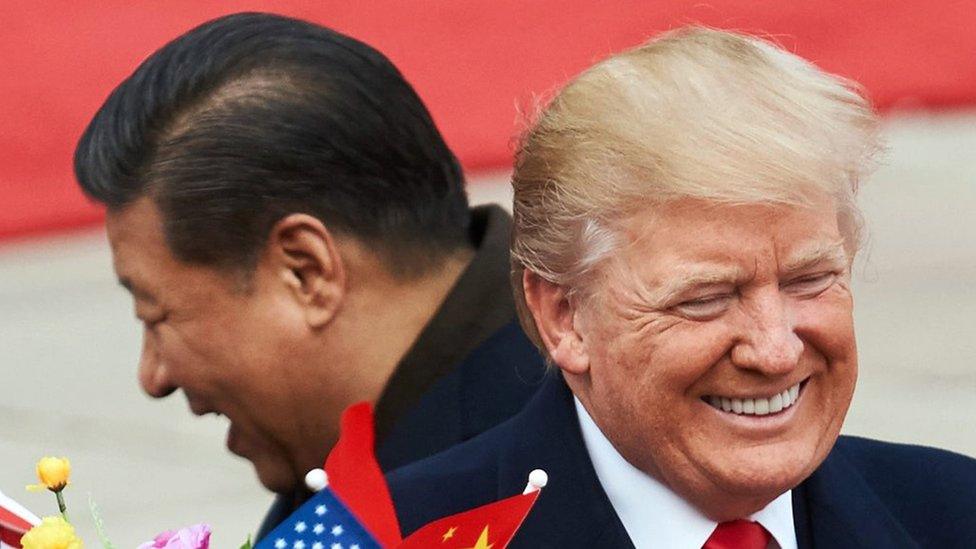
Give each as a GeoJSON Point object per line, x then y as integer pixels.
{"type": "Point", "coordinates": [232, 352]}
{"type": "Point", "coordinates": [721, 348]}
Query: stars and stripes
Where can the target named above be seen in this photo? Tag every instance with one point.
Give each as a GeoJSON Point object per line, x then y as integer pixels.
{"type": "Point", "coordinates": [323, 522]}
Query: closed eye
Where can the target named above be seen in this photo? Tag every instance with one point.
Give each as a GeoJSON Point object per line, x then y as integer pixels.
{"type": "Point", "coordinates": [151, 323]}
{"type": "Point", "coordinates": [810, 286]}
{"type": "Point", "coordinates": [704, 308]}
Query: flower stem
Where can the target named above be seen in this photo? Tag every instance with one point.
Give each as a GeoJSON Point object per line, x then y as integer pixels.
{"type": "Point", "coordinates": [62, 507]}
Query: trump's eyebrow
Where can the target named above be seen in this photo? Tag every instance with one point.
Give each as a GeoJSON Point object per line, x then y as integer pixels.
{"type": "Point", "coordinates": [824, 253]}
{"type": "Point", "coordinates": [700, 276]}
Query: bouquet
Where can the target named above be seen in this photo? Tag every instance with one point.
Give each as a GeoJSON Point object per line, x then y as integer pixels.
{"type": "Point", "coordinates": [57, 532]}
{"type": "Point", "coordinates": [351, 488]}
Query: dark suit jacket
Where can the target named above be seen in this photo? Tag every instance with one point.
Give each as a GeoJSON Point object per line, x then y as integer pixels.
{"type": "Point", "coordinates": [865, 494]}
{"type": "Point", "coordinates": [489, 386]}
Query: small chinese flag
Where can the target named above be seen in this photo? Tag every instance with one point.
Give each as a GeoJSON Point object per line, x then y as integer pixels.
{"type": "Point", "coordinates": [490, 526]}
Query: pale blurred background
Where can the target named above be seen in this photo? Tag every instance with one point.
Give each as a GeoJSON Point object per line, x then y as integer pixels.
{"type": "Point", "coordinates": [69, 343]}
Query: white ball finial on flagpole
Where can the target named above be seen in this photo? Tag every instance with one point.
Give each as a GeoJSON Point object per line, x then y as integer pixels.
{"type": "Point", "coordinates": [537, 481]}
{"type": "Point", "coordinates": [316, 480]}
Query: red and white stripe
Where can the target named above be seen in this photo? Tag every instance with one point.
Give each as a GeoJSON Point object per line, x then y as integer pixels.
{"type": "Point", "coordinates": [15, 521]}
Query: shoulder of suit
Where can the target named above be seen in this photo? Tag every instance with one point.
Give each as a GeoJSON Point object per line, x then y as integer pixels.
{"type": "Point", "coordinates": [876, 455]}
{"type": "Point", "coordinates": [916, 481]}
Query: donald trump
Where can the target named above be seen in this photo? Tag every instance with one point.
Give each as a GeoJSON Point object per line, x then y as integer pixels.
{"type": "Point", "coordinates": [685, 224]}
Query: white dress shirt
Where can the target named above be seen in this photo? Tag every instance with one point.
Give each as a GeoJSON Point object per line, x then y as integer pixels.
{"type": "Point", "coordinates": [657, 518]}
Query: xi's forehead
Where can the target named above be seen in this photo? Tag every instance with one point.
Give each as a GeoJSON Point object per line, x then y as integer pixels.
{"type": "Point", "coordinates": [133, 219]}
{"type": "Point", "coordinates": [135, 234]}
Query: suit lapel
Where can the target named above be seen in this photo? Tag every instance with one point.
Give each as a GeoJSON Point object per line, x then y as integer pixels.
{"type": "Point", "coordinates": [573, 510]}
{"type": "Point", "coordinates": [835, 508]}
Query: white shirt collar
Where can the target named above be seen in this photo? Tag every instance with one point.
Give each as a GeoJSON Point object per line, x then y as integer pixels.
{"type": "Point", "coordinates": [652, 514]}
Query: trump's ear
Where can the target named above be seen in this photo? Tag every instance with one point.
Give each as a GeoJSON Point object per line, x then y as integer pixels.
{"type": "Point", "coordinates": [555, 320]}
{"type": "Point", "coordinates": [304, 255]}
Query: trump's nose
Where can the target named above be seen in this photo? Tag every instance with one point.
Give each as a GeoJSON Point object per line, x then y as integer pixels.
{"type": "Point", "coordinates": [153, 373]}
{"type": "Point", "coordinates": [768, 343]}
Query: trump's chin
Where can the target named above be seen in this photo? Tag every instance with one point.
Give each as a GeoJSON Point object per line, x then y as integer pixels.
{"type": "Point", "coordinates": [764, 478]}
{"type": "Point", "coordinates": [737, 481]}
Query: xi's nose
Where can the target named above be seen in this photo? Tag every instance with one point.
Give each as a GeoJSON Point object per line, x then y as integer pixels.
{"type": "Point", "coordinates": [153, 373]}
{"type": "Point", "coordinates": [769, 343]}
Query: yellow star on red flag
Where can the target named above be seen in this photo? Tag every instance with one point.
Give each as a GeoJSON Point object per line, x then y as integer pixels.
{"type": "Point", "coordinates": [482, 542]}
{"type": "Point", "coordinates": [457, 531]}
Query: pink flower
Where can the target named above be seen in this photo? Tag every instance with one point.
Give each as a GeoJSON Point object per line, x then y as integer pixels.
{"type": "Point", "coordinates": [191, 537]}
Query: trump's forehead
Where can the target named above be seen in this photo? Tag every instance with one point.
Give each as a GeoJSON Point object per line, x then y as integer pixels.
{"type": "Point", "coordinates": [698, 225]}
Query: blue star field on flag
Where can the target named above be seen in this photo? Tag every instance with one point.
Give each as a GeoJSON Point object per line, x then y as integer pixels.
{"type": "Point", "coordinates": [322, 522]}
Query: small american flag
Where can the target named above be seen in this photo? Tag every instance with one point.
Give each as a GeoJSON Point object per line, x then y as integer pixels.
{"type": "Point", "coordinates": [323, 522]}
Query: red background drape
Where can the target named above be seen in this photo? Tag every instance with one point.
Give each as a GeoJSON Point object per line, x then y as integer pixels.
{"type": "Point", "coordinates": [472, 62]}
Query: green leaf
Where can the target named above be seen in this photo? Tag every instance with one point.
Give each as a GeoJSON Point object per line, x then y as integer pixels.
{"type": "Point", "coordinates": [99, 525]}
{"type": "Point", "coordinates": [247, 544]}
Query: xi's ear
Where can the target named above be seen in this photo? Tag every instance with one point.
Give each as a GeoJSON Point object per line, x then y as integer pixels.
{"type": "Point", "coordinates": [306, 258]}
{"type": "Point", "coordinates": [555, 319]}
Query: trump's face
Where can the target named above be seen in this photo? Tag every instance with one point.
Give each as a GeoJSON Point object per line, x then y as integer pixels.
{"type": "Point", "coordinates": [717, 352]}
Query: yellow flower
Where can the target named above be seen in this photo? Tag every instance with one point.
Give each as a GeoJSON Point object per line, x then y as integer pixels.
{"type": "Point", "coordinates": [53, 473]}
{"type": "Point", "coordinates": [51, 533]}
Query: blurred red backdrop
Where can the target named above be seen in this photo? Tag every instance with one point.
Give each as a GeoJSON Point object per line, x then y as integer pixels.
{"type": "Point", "coordinates": [471, 61]}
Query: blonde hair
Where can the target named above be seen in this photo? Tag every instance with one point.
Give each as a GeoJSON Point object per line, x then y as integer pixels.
{"type": "Point", "coordinates": [698, 113]}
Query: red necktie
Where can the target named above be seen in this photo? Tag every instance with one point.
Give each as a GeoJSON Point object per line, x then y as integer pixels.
{"type": "Point", "coordinates": [738, 534]}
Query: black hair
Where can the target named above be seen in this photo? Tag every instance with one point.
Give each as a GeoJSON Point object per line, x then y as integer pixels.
{"type": "Point", "coordinates": [250, 117]}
